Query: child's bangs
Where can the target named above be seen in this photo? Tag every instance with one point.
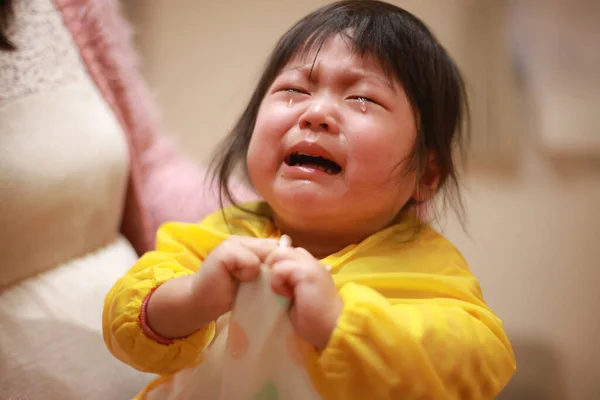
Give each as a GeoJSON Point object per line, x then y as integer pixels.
{"type": "Point", "coordinates": [366, 39]}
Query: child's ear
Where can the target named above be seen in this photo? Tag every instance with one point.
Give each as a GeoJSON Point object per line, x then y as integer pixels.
{"type": "Point", "coordinates": [428, 184]}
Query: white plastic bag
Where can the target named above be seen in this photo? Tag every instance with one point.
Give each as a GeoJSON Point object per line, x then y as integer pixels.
{"type": "Point", "coordinates": [257, 356]}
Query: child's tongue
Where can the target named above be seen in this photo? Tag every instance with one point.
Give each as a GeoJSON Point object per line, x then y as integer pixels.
{"type": "Point", "coordinates": [315, 162]}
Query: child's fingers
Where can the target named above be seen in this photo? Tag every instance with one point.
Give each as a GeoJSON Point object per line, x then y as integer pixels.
{"type": "Point", "coordinates": [241, 263]}
{"type": "Point", "coordinates": [282, 254]}
{"type": "Point", "coordinates": [281, 279]}
{"type": "Point", "coordinates": [261, 247]}
{"type": "Point", "coordinates": [303, 251]}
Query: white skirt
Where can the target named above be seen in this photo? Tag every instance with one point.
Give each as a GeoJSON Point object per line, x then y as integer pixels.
{"type": "Point", "coordinates": [51, 344]}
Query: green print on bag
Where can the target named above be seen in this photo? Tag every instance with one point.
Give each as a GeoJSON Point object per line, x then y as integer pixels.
{"type": "Point", "coordinates": [268, 392]}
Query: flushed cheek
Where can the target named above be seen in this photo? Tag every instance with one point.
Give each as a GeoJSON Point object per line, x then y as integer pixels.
{"type": "Point", "coordinates": [263, 154]}
{"type": "Point", "coordinates": [260, 162]}
{"type": "Point", "coordinates": [275, 118]}
{"type": "Point", "coordinates": [266, 147]}
{"type": "Point", "coordinates": [376, 158]}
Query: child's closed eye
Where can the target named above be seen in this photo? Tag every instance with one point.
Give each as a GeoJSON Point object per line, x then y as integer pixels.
{"type": "Point", "coordinates": [363, 99]}
{"type": "Point", "coordinates": [295, 90]}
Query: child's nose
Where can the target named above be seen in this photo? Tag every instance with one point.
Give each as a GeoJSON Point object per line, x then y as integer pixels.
{"type": "Point", "coordinates": [320, 116]}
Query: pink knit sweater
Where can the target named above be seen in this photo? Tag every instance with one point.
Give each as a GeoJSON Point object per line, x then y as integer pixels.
{"type": "Point", "coordinates": [163, 185]}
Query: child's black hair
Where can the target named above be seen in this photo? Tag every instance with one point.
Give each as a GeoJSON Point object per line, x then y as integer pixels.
{"type": "Point", "coordinates": [6, 16]}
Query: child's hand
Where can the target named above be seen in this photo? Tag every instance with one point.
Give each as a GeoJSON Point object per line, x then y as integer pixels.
{"type": "Point", "coordinates": [181, 306]}
{"type": "Point", "coordinates": [316, 304]}
{"type": "Point", "coordinates": [237, 259]}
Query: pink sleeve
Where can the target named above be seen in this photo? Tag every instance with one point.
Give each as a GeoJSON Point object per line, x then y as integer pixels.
{"type": "Point", "coordinates": [164, 185]}
{"type": "Point", "coordinates": [172, 188]}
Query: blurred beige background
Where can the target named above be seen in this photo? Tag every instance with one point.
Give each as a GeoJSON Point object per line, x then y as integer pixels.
{"type": "Point", "coordinates": [533, 219]}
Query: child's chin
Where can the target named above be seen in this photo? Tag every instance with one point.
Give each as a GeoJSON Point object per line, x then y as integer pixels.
{"type": "Point", "coordinates": [306, 202]}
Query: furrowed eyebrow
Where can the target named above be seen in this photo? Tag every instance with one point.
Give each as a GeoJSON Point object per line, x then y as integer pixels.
{"type": "Point", "coordinates": [355, 74]}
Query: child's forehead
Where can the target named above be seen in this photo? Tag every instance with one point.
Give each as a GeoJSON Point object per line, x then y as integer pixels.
{"type": "Point", "coordinates": [342, 52]}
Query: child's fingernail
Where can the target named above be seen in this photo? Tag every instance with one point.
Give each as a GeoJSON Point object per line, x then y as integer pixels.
{"type": "Point", "coordinates": [285, 241]}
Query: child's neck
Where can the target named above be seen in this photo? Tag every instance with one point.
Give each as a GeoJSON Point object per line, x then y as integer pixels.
{"type": "Point", "coordinates": [321, 244]}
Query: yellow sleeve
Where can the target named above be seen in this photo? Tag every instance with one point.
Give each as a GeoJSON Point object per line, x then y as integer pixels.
{"type": "Point", "coordinates": [435, 348]}
{"type": "Point", "coordinates": [180, 250]}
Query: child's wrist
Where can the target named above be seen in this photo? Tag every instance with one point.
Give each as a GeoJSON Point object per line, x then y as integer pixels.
{"type": "Point", "coordinates": [170, 311]}
{"type": "Point", "coordinates": [200, 309]}
{"type": "Point", "coordinates": [329, 324]}
{"type": "Point", "coordinates": [148, 331]}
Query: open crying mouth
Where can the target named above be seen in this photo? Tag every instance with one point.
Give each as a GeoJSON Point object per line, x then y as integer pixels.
{"type": "Point", "coordinates": [315, 162]}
